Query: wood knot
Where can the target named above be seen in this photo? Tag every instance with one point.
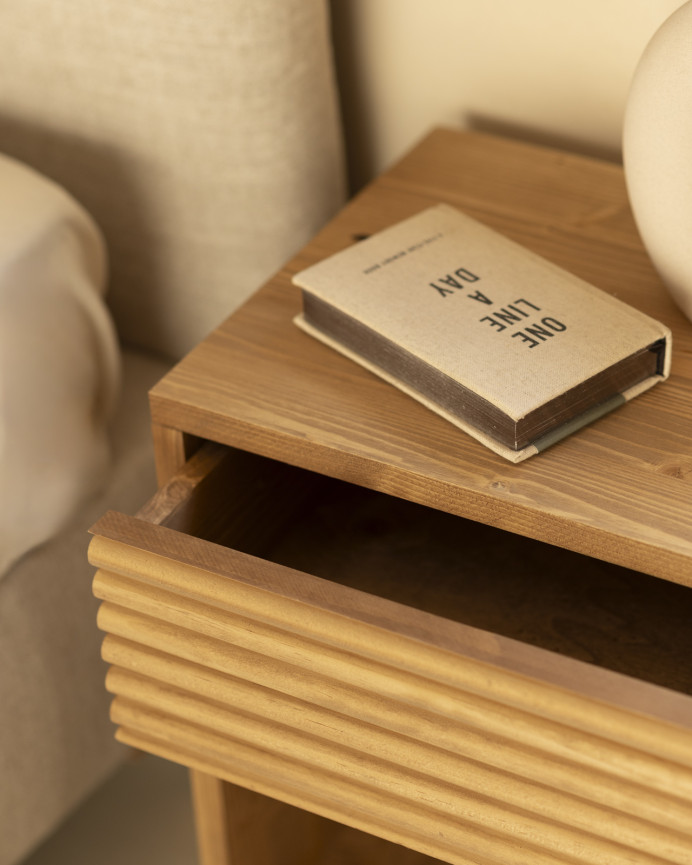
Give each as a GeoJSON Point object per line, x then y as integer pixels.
{"type": "Point", "coordinates": [677, 469]}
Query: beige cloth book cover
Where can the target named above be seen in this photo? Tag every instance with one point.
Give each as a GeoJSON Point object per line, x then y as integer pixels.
{"type": "Point", "coordinates": [506, 345]}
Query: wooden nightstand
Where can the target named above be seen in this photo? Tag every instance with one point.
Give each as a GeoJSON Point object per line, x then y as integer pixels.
{"type": "Point", "coordinates": [492, 662]}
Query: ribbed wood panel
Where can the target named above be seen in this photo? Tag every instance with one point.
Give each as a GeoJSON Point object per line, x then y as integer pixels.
{"type": "Point", "coordinates": [392, 732]}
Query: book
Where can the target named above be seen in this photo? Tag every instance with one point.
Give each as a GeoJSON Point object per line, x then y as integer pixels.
{"type": "Point", "coordinates": [511, 348]}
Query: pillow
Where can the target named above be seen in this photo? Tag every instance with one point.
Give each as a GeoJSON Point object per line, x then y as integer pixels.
{"type": "Point", "coordinates": [59, 359]}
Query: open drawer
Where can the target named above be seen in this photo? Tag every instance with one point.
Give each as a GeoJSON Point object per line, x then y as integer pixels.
{"type": "Point", "coordinates": [468, 693]}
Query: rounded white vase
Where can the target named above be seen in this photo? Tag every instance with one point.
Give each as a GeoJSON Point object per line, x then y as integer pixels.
{"type": "Point", "coordinates": [657, 153]}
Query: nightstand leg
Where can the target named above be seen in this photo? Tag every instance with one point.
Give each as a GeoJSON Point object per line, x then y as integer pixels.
{"type": "Point", "coordinates": [209, 805]}
{"type": "Point", "coordinates": [171, 450]}
{"type": "Point", "coordinates": [239, 827]}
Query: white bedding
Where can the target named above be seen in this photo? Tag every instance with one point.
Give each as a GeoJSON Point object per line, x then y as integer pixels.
{"type": "Point", "coordinates": [59, 360]}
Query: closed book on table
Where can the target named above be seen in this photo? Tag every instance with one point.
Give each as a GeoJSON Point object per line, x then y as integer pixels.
{"type": "Point", "coordinates": [506, 345]}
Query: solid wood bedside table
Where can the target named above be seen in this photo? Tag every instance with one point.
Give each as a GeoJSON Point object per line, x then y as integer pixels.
{"type": "Point", "coordinates": [492, 662]}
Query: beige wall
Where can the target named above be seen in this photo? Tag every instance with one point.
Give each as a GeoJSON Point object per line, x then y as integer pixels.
{"type": "Point", "coordinates": [556, 71]}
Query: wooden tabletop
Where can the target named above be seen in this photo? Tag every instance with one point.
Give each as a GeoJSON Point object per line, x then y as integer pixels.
{"type": "Point", "coordinates": [619, 490]}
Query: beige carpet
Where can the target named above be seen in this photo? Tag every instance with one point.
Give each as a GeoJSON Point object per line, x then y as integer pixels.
{"type": "Point", "coordinates": [141, 816]}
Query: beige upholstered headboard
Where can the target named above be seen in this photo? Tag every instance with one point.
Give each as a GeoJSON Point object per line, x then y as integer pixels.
{"type": "Point", "coordinates": [203, 137]}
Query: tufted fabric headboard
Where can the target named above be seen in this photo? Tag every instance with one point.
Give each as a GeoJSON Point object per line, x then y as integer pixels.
{"type": "Point", "coordinates": [204, 138]}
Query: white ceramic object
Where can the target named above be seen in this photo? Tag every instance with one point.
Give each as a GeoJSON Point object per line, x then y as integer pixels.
{"type": "Point", "coordinates": [657, 152]}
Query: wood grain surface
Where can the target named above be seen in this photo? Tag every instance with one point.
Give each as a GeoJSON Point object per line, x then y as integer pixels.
{"type": "Point", "coordinates": [620, 490]}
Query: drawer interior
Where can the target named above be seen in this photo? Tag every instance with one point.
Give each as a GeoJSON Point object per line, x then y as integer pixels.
{"type": "Point", "coordinates": [477, 575]}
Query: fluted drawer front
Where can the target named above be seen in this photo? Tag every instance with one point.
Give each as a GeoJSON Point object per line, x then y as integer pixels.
{"type": "Point", "coordinates": [462, 744]}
